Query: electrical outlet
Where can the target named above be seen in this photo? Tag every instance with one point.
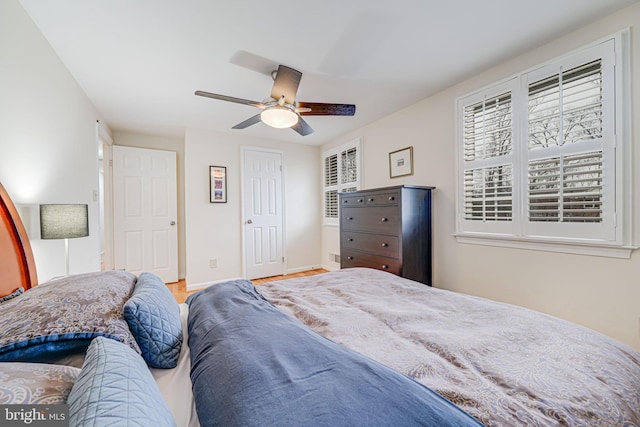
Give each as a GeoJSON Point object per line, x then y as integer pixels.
{"type": "Point", "coordinates": [213, 263]}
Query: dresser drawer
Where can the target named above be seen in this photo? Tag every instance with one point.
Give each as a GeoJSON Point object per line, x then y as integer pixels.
{"type": "Point", "coordinates": [379, 219]}
{"type": "Point", "coordinates": [351, 258]}
{"type": "Point", "coordinates": [382, 199]}
{"type": "Point", "coordinates": [378, 244]}
{"type": "Point", "coordinates": [352, 200]}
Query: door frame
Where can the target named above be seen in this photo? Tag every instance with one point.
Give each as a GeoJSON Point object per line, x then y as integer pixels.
{"type": "Point", "coordinates": [104, 152]}
{"type": "Point", "coordinates": [243, 217]}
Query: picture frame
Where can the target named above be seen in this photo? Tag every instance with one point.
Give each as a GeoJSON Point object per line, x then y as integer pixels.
{"type": "Point", "coordinates": [217, 184]}
{"type": "Point", "coordinates": [401, 162]}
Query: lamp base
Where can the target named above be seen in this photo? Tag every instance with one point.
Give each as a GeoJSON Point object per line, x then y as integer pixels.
{"type": "Point", "coordinates": [66, 254]}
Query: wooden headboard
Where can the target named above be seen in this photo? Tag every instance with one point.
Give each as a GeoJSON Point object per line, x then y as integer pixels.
{"type": "Point", "coordinates": [17, 266]}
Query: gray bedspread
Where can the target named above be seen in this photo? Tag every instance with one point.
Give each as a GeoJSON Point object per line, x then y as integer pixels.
{"type": "Point", "coordinates": [505, 365]}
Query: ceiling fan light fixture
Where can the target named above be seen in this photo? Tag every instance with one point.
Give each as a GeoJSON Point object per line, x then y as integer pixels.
{"type": "Point", "coordinates": [279, 117]}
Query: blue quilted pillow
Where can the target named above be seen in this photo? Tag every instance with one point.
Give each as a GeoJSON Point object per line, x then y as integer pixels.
{"type": "Point", "coordinates": [115, 387]}
{"type": "Point", "coordinates": [153, 316]}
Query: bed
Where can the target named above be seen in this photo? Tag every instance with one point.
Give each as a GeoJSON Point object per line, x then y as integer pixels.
{"type": "Point", "coordinates": [351, 347]}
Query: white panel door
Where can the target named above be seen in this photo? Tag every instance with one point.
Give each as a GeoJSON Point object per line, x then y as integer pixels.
{"type": "Point", "coordinates": [263, 214]}
{"type": "Point", "coordinates": [145, 211]}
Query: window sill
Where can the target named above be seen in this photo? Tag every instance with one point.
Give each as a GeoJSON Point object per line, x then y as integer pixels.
{"type": "Point", "coordinates": [593, 249]}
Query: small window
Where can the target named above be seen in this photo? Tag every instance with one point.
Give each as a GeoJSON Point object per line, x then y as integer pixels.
{"type": "Point", "coordinates": [341, 174]}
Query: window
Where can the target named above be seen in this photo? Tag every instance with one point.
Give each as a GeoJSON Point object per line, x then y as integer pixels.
{"type": "Point", "coordinates": [541, 159]}
{"type": "Point", "coordinates": [341, 174]}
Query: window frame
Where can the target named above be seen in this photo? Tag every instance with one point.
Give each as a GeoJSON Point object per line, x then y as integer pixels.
{"type": "Point", "coordinates": [340, 186]}
{"type": "Point", "coordinates": [616, 241]}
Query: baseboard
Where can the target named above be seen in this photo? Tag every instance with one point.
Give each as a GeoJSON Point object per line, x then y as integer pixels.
{"type": "Point", "coordinates": [301, 269]}
{"type": "Point", "coordinates": [331, 267]}
{"type": "Point", "coordinates": [196, 286]}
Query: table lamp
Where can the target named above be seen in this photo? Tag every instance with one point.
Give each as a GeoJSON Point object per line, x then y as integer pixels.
{"type": "Point", "coordinates": [64, 222]}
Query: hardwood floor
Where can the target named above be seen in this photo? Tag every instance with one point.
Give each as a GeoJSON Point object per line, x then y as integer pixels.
{"type": "Point", "coordinates": [180, 293]}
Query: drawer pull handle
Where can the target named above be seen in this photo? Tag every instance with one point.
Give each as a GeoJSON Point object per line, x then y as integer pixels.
{"type": "Point", "coordinates": [384, 266]}
{"type": "Point", "coordinates": [385, 219]}
{"type": "Point", "coordinates": [349, 257]}
{"type": "Point", "coordinates": [360, 200]}
{"type": "Point", "coordinates": [345, 201]}
{"type": "Point", "coordinates": [371, 199]}
{"type": "Point", "coordinates": [384, 245]}
{"type": "Point", "coordinates": [350, 218]}
{"type": "Point", "coordinates": [391, 198]}
{"type": "Point", "coordinates": [350, 239]}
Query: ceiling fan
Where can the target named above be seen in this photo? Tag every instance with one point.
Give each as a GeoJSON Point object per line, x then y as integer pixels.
{"type": "Point", "coordinates": [281, 110]}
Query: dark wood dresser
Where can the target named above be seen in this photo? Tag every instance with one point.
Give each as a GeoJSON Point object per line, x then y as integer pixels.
{"type": "Point", "coordinates": [388, 229]}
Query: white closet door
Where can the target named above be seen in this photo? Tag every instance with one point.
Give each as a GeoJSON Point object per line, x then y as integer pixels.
{"type": "Point", "coordinates": [145, 211]}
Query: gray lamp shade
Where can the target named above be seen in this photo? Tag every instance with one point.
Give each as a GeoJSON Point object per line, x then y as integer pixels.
{"type": "Point", "coordinates": [64, 221]}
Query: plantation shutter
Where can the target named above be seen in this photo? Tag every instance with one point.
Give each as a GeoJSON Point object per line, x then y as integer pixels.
{"type": "Point", "coordinates": [349, 166]}
{"type": "Point", "coordinates": [330, 184]}
{"type": "Point", "coordinates": [570, 156]}
{"type": "Point", "coordinates": [487, 160]}
{"type": "Point", "coordinates": [341, 174]}
{"type": "Point", "coordinates": [566, 113]}
{"type": "Point", "coordinates": [566, 188]}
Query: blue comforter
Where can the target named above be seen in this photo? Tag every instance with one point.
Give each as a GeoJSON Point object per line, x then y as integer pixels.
{"type": "Point", "coordinates": [252, 365]}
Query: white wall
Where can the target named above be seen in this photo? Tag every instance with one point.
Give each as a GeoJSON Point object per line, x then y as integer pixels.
{"type": "Point", "coordinates": [214, 230]}
{"type": "Point", "coordinates": [167, 144]}
{"type": "Point", "coordinates": [48, 150]}
{"type": "Point", "coordinates": [601, 293]}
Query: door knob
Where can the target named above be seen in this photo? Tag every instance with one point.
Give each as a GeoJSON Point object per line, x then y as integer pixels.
{"type": "Point", "coordinates": [172, 223]}
{"type": "Point", "coordinates": [249, 221]}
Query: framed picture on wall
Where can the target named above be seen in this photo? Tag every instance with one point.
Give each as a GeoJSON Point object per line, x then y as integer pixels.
{"type": "Point", "coordinates": [217, 184]}
{"type": "Point", "coordinates": [401, 162]}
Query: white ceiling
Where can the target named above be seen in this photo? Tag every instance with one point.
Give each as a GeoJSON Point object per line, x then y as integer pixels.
{"type": "Point", "coordinates": [140, 61]}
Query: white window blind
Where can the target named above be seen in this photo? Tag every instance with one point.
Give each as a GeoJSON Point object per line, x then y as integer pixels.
{"type": "Point", "coordinates": [488, 194]}
{"type": "Point", "coordinates": [341, 174]}
{"type": "Point", "coordinates": [567, 107]}
{"type": "Point", "coordinates": [331, 170]}
{"type": "Point", "coordinates": [487, 136]}
{"type": "Point", "coordinates": [540, 158]}
{"type": "Point", "coordinates": [566, 188]}
{"type": "Point", "coordinates": [487, 128]}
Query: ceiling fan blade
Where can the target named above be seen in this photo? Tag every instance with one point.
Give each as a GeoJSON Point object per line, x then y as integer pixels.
{"type": "Point", "coordinates": [254, 62]}
{"type": "Point", "coordinates": [320, 109]}
{"type": "Point", "coordinates": [302, 127]}
{"type": "Point", "coordinates": [286, 83]}
{"type": "Point", "coordinates": [250, 121]}
{"type": "Point", "coordinates": [231, 99]}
